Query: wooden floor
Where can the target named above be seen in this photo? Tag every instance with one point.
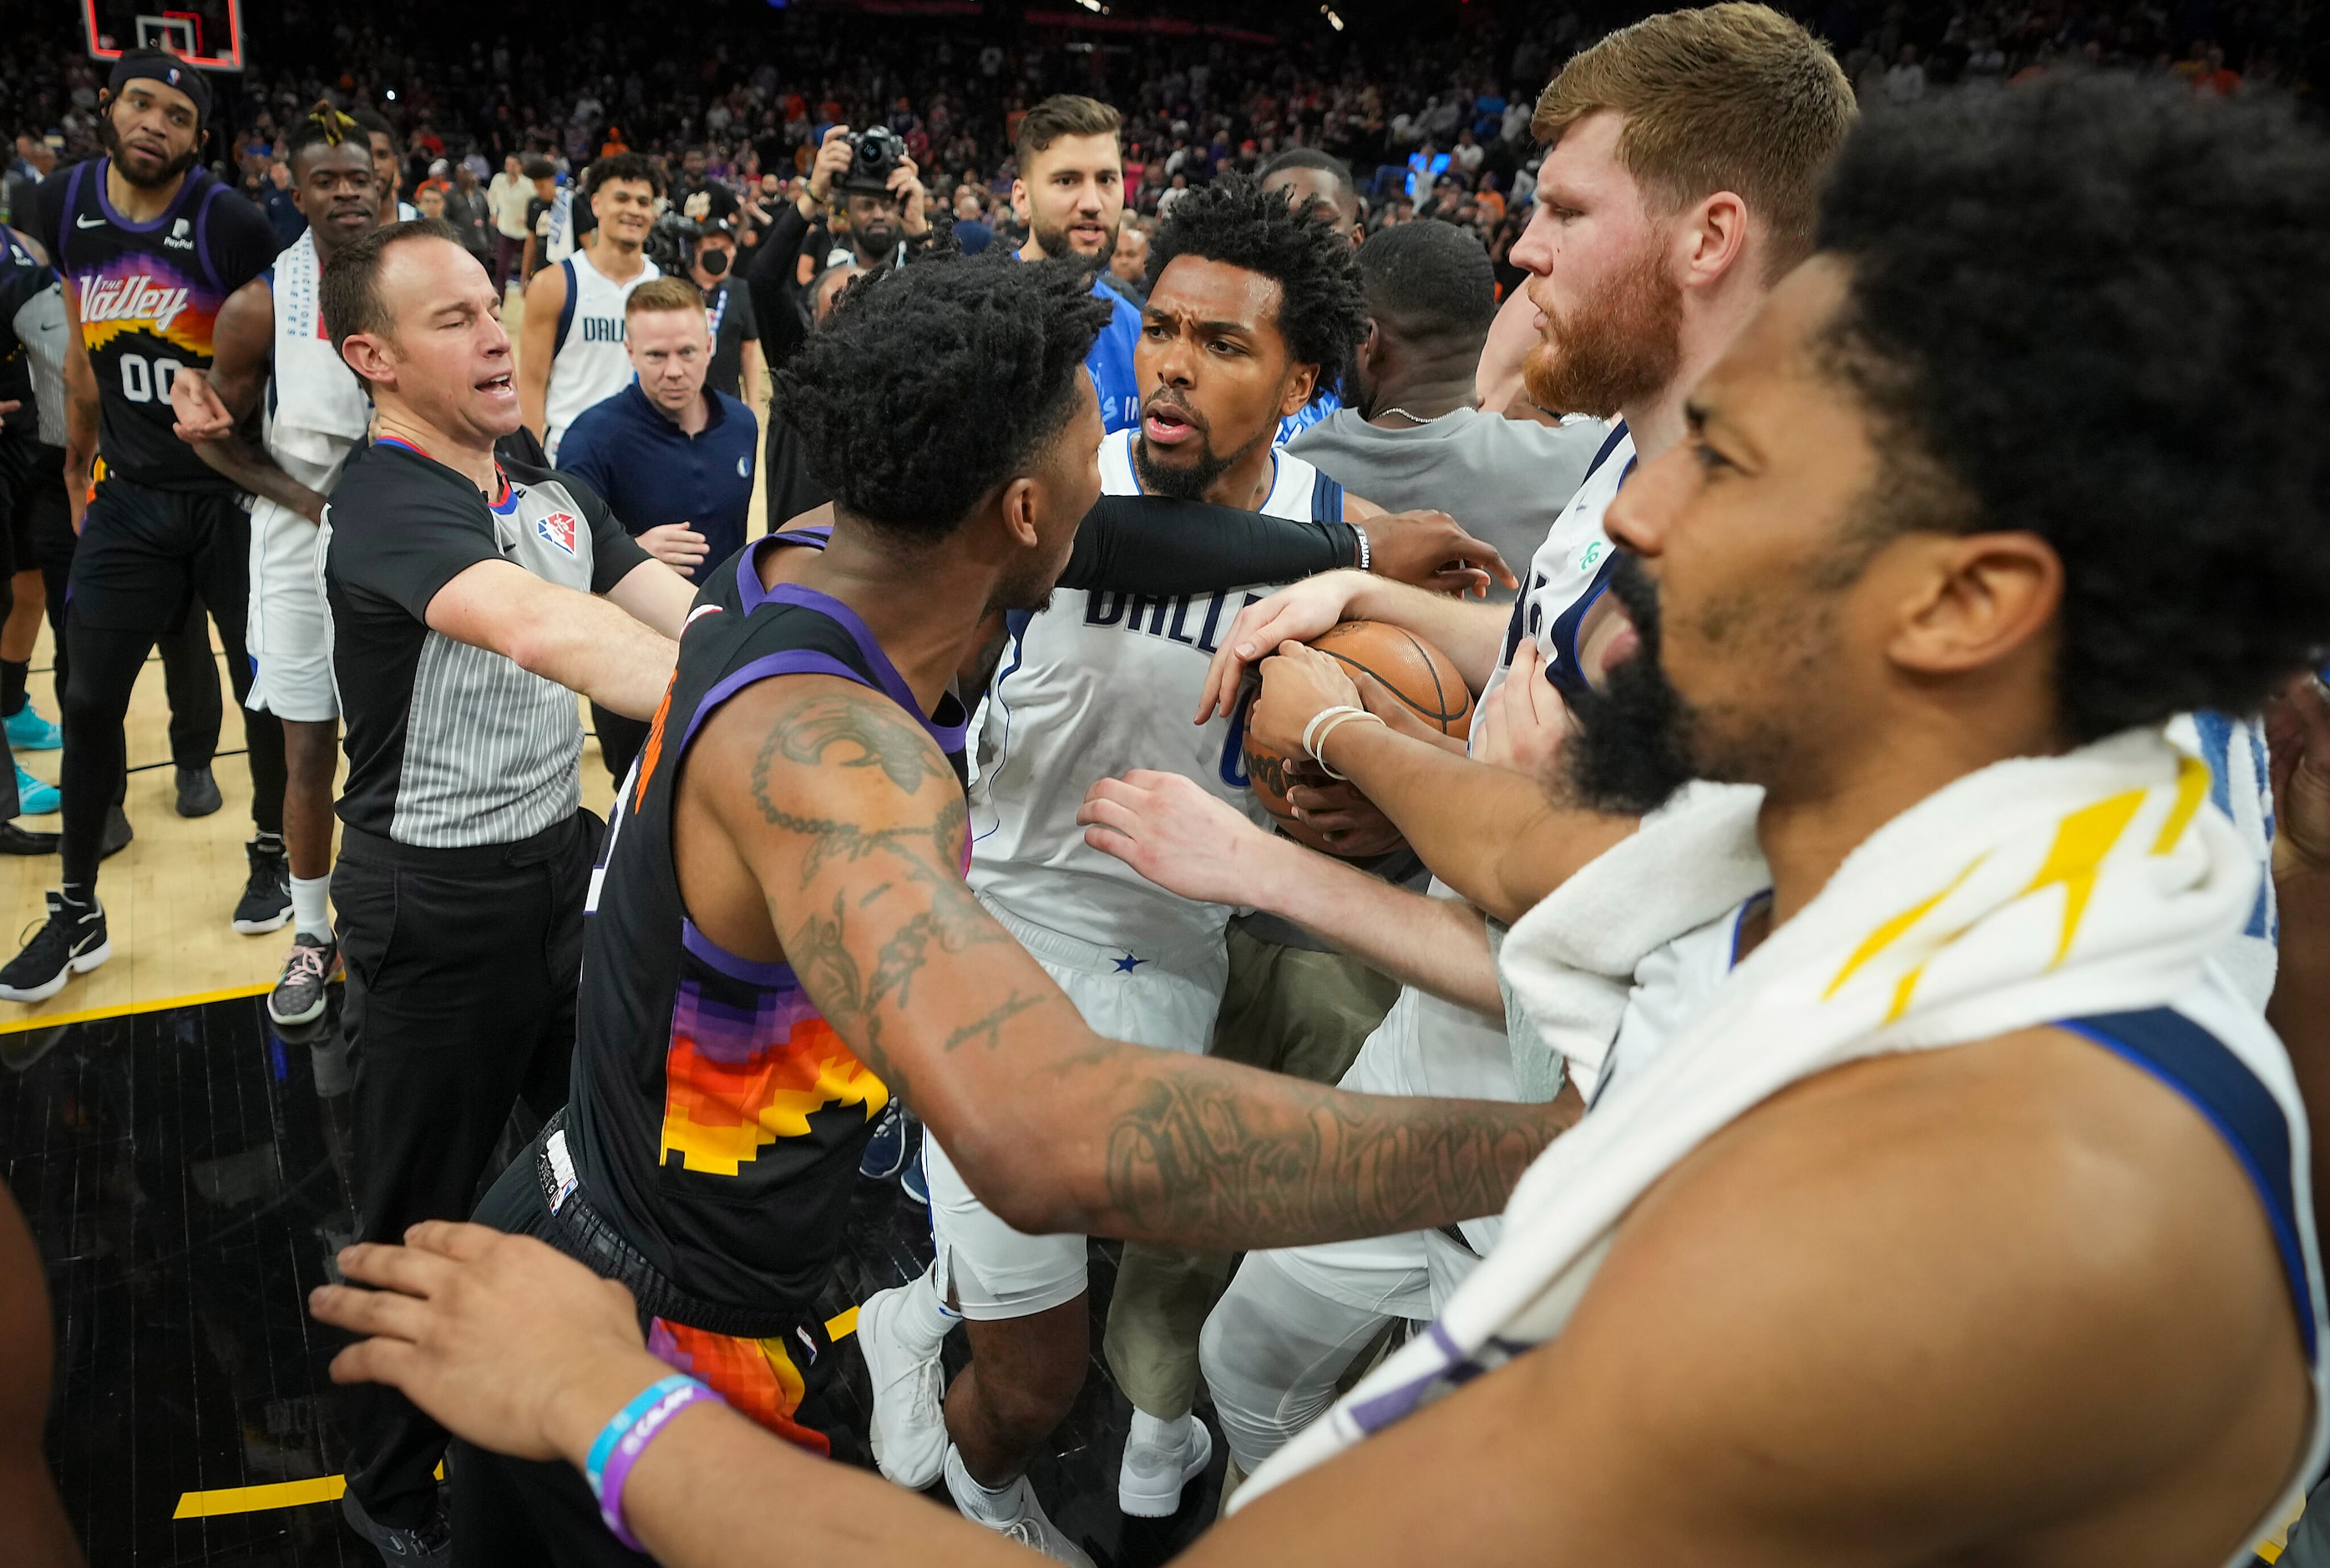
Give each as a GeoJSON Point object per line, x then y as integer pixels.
{"type": "Point", "coordinates": [168, 897]}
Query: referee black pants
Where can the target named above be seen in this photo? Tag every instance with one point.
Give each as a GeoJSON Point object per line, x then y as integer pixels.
{"type": "Point", "coordinates": [462, 966]}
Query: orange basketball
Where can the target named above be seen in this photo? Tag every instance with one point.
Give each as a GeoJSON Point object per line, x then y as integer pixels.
{"type": "Point", "coordinates": [1409, 668]}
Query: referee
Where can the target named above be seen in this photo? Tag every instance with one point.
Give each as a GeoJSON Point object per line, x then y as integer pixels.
{"type": "Point", "coordinates": [461, 594]}
{"type": "Point", "coordinates": [673, 458]}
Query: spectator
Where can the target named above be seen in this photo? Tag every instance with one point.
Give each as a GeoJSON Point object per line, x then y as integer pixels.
{"type": "Point", "coordinates": [736, 362]}
{"type": "Point", "coordinates": [275, 199]}
{"type": "Point", "coordinates": [672, 459]}
{"type": "Point", "coordinates": [471, 215]}
{"type": "Point", "coordinates": [970, 227]}
{"type": "Point", "coordinates": [511, 197]}
{"type": "Point", "coordinates": [1128, 264]}
{"type": "Point", "coordinates": [1468, 155]}
{"type": "Point", "coordinates": [1904, 83]}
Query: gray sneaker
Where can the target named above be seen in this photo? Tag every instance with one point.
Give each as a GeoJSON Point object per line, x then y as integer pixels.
{"type": "Point", "coordinates": [308, 969]}
{"type": "Point", "coordinates": [432, 1544]}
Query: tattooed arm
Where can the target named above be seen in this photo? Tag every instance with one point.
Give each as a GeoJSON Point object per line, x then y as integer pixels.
{"type": "Point", "coordinates": [851, 826]}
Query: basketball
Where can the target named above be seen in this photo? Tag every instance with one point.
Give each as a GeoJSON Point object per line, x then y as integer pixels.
{"type": "Point", "coordinates": [1410, 668]}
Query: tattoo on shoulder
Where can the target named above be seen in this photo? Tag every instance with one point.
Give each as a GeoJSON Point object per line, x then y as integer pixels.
{"type": "Point", "coordinates": [870, 731]}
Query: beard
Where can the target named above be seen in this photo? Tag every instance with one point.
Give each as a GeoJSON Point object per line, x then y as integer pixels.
{"type": "Point", "coordinates": [1184, 482]}
{"type": "Point", "coordinates": [1052, 240]}
{"type": "Point", "coordinates": [1633, 749]}
{"type": "Point", "coordinates": [110, 140]}
{"type": "Point", "coordinates": [1623, 347]}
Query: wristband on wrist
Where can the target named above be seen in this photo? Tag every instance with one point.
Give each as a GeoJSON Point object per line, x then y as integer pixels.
{"type": "Point", "coordinates": [1324, 724]}
{"type": "Point", "coordinates": [1366, 554]}
{"type": "Point", "coordinates": [626, 1436]}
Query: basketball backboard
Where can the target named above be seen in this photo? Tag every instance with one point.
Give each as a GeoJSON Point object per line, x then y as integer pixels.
{"type": "Point", "coordinates": [207, 33]}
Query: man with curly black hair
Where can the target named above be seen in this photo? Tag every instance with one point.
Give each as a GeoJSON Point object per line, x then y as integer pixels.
{"type": "Point", "coordinates": [1252, 304]}
{"type": "Point", "coordinates": [781, 940]}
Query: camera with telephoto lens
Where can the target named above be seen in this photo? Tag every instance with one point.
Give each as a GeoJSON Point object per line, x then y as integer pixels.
{"type": "Point", "coordinates": [667, 244]}
{"type": "Point", "coordinates": [874, 154]}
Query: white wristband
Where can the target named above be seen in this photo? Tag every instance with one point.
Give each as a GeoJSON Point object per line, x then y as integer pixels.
{"type": "Point", "coordinates": [1324, 724]}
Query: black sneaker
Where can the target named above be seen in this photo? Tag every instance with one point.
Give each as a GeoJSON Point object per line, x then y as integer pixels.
{"type": "Point", "coordinates": [118, 833]}
{"type": "Point", "coordinates": [266, 904]}
{"type": "Point", "coordinates": [198, 794]}
{"type": "Point", "coordinates": [298, 995]}
{"type": "Point", "coordinates": [885, 1150]}
{"type": "Point", "coordinates": [400, 1548]}
{"type": "Point", "coordinates": [16, 840]}
{"type": "Point", "coordinates": [71, 941]}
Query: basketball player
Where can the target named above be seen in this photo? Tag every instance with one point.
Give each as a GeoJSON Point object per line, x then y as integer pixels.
{"type": "Point", "coordinates": [270, 343]}
{"type": "Point", "coordinates": [571, 351]}
{"type": "Point", "coordinates": [2029, 1291]}
{"type": "Point", "coordinates": [1070, 193]}
{"type": "Point", "coordinates": [710, 1148]}
{"type": "Point", "coordinates": [1252, 304]}
{"type": "Point", "coordinates": [150, 248]}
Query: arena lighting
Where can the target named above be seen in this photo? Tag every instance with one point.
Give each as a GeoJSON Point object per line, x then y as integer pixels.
{"type": "Point", "coordinates": [1333, 21]}
{"type": "Point", "coordinates": [1092, 5]}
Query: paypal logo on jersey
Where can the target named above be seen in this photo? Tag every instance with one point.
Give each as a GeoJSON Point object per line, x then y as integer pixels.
{"type": "Point", "coordinates": [181, 236]}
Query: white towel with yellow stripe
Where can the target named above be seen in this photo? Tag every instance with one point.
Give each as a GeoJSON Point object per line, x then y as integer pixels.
{"type": "Point", "coordinates": [2035, 890]}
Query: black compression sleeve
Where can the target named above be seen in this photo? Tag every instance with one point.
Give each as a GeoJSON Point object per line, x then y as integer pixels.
{"type": "Point", "coordinates": [1156, 544]}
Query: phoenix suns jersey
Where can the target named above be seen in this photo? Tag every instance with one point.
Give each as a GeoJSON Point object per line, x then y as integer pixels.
{"type": "Point", "coordinates": [148, 296]}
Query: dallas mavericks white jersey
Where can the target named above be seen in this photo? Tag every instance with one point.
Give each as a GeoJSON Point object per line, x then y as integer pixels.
{"type": "Point", "coordinates": [317, 410]}
{"type": "Point", "coordinates": [588, 363]}
{"type": "Point", "coordinates": [1100, 683]}
{"type": "Point", "coordinates": [1570, 568]}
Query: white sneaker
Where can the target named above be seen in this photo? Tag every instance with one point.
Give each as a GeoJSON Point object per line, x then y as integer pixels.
{"type": "Point", "coordinates": [1014, 1514]}
{"type": "Point", "coordinates": [1161, 1458]}
{"type": "Point", "coordinates": [909, 1426]}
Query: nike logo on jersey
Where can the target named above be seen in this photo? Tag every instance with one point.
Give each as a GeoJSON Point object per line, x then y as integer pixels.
{"type": "Point", "coordinates": [138, 298]}
{"type": "Point", "coordinates": [86, 223]}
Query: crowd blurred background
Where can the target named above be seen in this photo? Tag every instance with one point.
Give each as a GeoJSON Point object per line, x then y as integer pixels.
{"type": "Point", "coordinates": [1428, 104]}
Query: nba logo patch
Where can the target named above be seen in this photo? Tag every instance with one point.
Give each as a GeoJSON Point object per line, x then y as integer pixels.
{"type": "Point", "coordinates": [557, 528]}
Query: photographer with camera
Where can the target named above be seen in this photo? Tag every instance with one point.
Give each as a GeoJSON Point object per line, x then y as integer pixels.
{"type": "Point", "coordinates": [571, 352]}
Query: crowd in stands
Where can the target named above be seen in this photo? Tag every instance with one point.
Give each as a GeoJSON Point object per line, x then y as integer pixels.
{"type": "Point", "coordinates": [1433, 118]}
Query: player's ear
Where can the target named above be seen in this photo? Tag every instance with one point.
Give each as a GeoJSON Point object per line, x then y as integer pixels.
{"type": "Point", "coordinates": [1972, 600]}
{"type": "Point", "coordinates": [1301, 380]}
{"type": "Point", "coordinates": [1020, 505]}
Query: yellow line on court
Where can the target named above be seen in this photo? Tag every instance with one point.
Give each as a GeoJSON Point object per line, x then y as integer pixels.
{"type": "Point", "coordinates": [327, 1489]}
{"type": "Point", "coordinates": [163, 1005]}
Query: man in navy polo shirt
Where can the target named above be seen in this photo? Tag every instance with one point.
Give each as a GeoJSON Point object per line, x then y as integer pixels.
{"type": "Point", "coordinates": [673, 458]}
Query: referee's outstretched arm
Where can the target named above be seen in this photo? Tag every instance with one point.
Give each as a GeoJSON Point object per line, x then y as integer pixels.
{"type": "Point", "coordinates": [617, 651]}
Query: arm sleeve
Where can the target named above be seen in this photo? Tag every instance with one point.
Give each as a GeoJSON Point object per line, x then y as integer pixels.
{"type": "Point", "coordinates": [404, 547]}
{"type": "Point", "coordinates": [1156, 544]}
{"type": "Point", "coordinates": [769, 278]}
{"type": "Point", "coordinates": [614, 552]}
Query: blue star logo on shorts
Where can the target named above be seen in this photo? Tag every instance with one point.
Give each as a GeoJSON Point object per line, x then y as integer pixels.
{"type": "Point", "coordinates": [1127, 964]}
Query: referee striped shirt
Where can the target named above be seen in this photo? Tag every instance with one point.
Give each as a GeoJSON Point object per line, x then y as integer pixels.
{"type": "Point", "coordinates": [452, 745]}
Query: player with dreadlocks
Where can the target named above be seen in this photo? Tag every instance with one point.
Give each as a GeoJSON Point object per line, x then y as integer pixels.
{"type": "Point", "coordinates": [268, 340]}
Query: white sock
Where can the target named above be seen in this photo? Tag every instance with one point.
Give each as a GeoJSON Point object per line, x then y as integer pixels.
{"type": "Point", "coordinates": [1157, 1432]}
{"type": "Point", "coordinates": [999, 1507]}
{"type": "Point", "coordinates": [924, 1320]}
{"type": "Point", "coordinates": [311, 905]}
